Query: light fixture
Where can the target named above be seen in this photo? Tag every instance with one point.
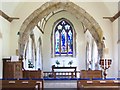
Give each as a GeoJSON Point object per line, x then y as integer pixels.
{"type": "Point", "coordinates": [18, 33]}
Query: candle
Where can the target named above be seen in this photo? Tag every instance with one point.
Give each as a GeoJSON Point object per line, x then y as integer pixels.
{"type": "Point", "coordinates": [104, 63]}
{"type": "Point", "coordinates": [107, 63]}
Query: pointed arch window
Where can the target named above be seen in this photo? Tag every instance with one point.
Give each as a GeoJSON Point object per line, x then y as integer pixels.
{"type": "Point", "coordinates": [64, 38]}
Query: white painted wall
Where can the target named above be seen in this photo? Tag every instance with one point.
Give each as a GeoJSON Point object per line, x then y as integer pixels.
{"type": "Point", "coordinates": [4, 41]}
{"type": "Point", "coordinates": [119, 41]}
{"type": "Point", "coordinates": [5, 30]}
{"type": "Point", "coordinates": [0, 55]}
{"type": "Point", "coordinates": [119, 60]}
{"type": "Point", "coordinates": [115, 47]}
{"type": "Point", "coordinates": [22, 11]}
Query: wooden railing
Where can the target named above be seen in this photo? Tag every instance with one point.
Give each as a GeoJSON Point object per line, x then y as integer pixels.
{"type": "Point", "coordinates": [47, 74]}
{"type": "Point", "coordinates": [65, 74]}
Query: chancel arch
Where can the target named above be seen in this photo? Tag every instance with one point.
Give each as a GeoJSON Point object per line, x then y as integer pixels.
{"type": "Point", "coordinates": [70, 7]}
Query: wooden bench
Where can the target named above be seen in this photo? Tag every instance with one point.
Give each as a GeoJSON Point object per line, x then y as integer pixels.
{"type": "Point", "coordinates": [98, 84]}
{"type": "Point", "coordinates": [32, 74]}
{"type": "Point", "coordinates": [91, 74]}
{"type": "Point", "coordinates": [22, 84]}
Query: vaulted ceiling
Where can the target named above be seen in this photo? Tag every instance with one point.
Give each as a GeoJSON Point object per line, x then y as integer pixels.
{"type": "Point", "coordinates": [11, 7]}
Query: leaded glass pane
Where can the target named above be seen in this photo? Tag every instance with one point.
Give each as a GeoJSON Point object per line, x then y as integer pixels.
{"type": "Point", "coordinates": [63, 22]}
{"type": "Point", "coordinates": [67, 27]}
{"type": "Point", "coordinates": [57, 42]}
{"type": "Point", "coordinates": [63, 42]}
{"type": "Point", "coordinates": [70, 42]}
{"type": "Point", "coordinates": [59, 27]}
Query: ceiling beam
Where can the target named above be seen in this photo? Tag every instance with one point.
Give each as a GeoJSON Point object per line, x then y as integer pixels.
{"type": "Point", "coordinates": [118, 41]}
{"type": "Point", "coordinates": [113, 18]}
{"type": "Point", "coordinates": [10, 19]}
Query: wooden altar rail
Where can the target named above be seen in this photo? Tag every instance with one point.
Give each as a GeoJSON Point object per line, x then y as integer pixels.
{"type": "Point", "coordinates": [22, 84]}
{"type": "Point", "coordinates": [47, 74]}
{"type": "Point", "coordinates": [98, 84]}
{"type": "Point", "coordinates": [65, 74]}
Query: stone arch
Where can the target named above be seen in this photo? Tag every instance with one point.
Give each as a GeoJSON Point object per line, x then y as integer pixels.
{"type": "Point", "coordinates": [49, 7]}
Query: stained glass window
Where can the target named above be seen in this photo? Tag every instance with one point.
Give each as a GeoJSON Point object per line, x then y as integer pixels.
{"type": "Point", "coordinates": [63, 38]}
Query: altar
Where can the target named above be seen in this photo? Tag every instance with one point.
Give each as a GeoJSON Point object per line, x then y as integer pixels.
{"type": "Point", "coordinates": [64, 71]}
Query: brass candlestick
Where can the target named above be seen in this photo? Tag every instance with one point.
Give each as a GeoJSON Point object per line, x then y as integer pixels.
{"type": "Point", "coordinates": [105, 64]}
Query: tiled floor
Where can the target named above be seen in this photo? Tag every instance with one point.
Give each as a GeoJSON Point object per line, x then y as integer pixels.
{"type": "Point", "coordinates": [61, 84]}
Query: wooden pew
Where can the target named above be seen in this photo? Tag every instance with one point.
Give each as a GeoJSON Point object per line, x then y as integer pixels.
{"type": "Point", "coordinates": [32, 74]}
{"type": "Point", "coordinates": [90, 74]}
{"type": "Point", "coordinates": [22, 85]}
{"type": "Point", "coordinates": [98, 85]}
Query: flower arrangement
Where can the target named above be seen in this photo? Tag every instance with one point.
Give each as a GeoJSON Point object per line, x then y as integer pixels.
{"type": "Point", "coordinates": [57, 62]}
{"type": "Point", "coordinates": [30, 64]}
{"type": "Point", "coordinates": [70, 62]}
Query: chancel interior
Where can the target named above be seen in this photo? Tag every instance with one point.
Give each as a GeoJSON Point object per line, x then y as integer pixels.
{"type": "Point", "coordinates": [56, 44]}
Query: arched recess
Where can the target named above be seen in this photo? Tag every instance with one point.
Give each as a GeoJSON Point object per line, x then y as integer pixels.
{"type": "Point", "coordinates": [70, 7]}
